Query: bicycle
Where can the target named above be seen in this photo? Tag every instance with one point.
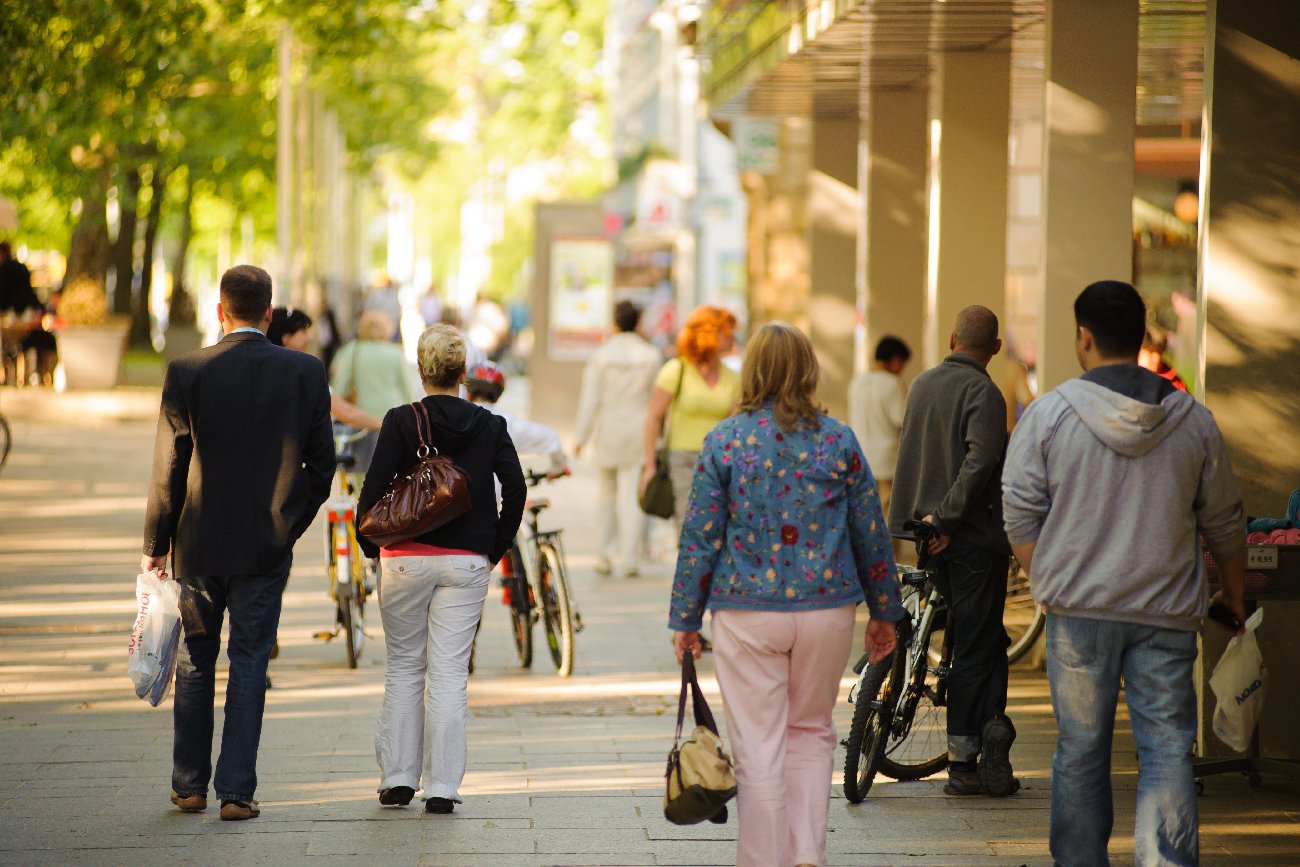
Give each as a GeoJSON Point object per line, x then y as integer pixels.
{"type": "Point", "coordinates": [1023, 618]}
{"type": "Point", "coordinates": [535, 586]}
{"type": "Point", "coordinates": [899, 723]}
{"type": "Point", "coordinates": [348, 568]}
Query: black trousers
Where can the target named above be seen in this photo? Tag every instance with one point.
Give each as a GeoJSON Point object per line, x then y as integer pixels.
{"type": "Point", "coordinates": [973, 581]}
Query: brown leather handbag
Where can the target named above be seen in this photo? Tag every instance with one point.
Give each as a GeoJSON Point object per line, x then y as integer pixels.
{"type": "Point", "coordinates": [433, 493]}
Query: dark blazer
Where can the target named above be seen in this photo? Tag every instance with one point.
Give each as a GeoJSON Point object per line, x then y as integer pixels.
{"type": "Point", "coordinates": [476, 440]}
{"type": "Point", "coordinates": [243, 457]}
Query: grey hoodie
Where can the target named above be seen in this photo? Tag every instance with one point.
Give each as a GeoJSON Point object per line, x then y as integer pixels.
{"type": "Point", "coordinates": [1115, 488]}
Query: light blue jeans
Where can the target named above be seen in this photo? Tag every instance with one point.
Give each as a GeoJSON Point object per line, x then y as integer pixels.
{"type": "Point", "coordinates": [1085, 660]}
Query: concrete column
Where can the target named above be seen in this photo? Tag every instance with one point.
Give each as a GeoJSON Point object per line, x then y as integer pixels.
{"type": "Point", "coordinates": [833, 216]}
{"type": "Point", "coordinates": [284, 166]}
{"type": "Point", "coordinates": [970, 110]}
{"type": "Point", "coordinates": [892, 258]}
{"type": "Point", "coordinates": [1249, 301]}
{"type": "Point", "coordinates": [1089, 121]}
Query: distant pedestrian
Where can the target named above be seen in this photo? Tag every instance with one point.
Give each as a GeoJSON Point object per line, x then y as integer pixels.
{"type": "Point", "coordinates": [617, 384]}
{"type": "Point", "coordinates": [371, 373]}
{"type": "Point", "coordinates": [1155, 343]}
{"type": "Point", "coordinates": [431, 306]}
{"type": "Point", "coordinates": [782, 539]}
{"type": "Point", "coordinates": [242, 461]}
{"type": "Point", "coordinates": [1110, 479]}
{"type": "Point", "coordinates": [693, 391]}
{"type": "Point", "coordinates": [432, 587]}
{"type": "Point", "coordinates": [876, 402]}
{"type": "Point", "coordinates": [949, 467]}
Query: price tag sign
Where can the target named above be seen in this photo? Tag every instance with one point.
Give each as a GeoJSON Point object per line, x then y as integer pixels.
{"type": "Point", "coordinates": [1261, 556]}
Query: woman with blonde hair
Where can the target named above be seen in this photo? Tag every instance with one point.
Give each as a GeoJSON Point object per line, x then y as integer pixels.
{"type": "Point", "coordinates": [432, 587]}
{"type": "Point", "coordinates": [782, 538]}
{"type": "Point", "coordinates": [371, 374]}
{"type": "Point", "coordinates": [694, 391]}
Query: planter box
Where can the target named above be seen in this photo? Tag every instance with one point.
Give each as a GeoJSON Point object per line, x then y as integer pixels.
{"type": "Point", "coordinates": [91, 355]}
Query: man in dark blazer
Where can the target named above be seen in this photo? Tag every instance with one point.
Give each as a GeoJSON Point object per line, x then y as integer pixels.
{"type": "Point", "coordinates": [243, 460]}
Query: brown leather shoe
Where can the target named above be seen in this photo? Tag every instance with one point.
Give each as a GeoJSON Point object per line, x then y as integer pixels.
{"type": "Point", "coordinates": [190, 803]}
{"type": "Point", "coordinates": [238, 811]}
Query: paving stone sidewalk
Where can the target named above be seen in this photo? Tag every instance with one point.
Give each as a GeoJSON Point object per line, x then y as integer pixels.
{"type": "Point", "coordinates": [561, 771]}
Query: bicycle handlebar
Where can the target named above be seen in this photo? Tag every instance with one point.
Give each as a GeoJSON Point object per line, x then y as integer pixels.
{"type": "Point", "coordinates": [533, 478]}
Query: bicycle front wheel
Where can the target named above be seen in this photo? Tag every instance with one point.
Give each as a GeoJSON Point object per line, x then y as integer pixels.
{"type": "Point", "coordinates": [1023, 617]}
{"type": "Point", "coordinates": [917, 742]}
{"type": "Point", "coordinates": [6, 440]}
{"type": "Point", "coordinates": [873, 707]}
{"type": "Point", "coordinates": [557, 608]}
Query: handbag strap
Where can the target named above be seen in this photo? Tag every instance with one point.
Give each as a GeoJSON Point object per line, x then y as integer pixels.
{"type": "Point", "coordinates": [700, 707]}
{"type": "Point", "coordinates": [423, 430]}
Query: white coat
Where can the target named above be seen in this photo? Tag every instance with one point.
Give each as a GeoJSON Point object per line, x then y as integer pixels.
{"type": "Point", "coordinates": [616, 387]}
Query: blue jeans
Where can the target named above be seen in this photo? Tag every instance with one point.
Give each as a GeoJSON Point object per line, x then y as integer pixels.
{"type": "Point", "coordinates": [254, 604]}
{"type": "Point", "coordinates": [1085, 661]}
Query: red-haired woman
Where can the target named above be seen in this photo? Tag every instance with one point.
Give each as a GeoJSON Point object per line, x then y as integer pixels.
{"type": "Point", "coordinates": [700, 391]}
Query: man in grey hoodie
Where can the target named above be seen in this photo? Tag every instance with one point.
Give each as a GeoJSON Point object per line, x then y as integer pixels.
{"type": "Point", "coordinates": [949, 463]}
{"type": "Point", "coordinates": [1109, 478]}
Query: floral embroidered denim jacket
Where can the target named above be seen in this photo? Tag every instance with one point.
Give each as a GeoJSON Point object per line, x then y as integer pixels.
{"type": "Point", "coordinates": [782, 521]}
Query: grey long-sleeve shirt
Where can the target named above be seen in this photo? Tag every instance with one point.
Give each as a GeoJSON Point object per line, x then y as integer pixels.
{"type": "Point", "coordinates": [950, 453]}
{"type": "Point", "coordinates": [1114, 475]}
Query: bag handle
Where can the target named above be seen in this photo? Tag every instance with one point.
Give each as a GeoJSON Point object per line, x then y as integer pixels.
{"type": "Point", "coordinates": [700, 707]}
{"type": "Point", "coordinates": [672, 407]}
{"type": "Point", "coordinates": [423, 429]}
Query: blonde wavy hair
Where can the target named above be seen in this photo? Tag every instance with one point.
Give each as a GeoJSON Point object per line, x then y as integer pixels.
{"type": "Point", "coordinates": [374, 325]}
{"type": "Point", "coordinates": [781, 367]}
{"type": "Point", "coordinates": [441, 354]}
{"type": "Point", "coordinates": [701, 334]}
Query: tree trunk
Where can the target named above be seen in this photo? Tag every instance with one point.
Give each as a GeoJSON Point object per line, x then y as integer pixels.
{"type": "Point", "coordinates": [183, 248]}
{"type": "Point", "coordinates": [90, 250]}
{"type": "Point", "coordinates": [124, 247]}
{"type": "Point", "coordinates": [140, 320]}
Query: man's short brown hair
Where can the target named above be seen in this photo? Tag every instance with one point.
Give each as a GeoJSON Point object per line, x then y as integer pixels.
{"type": "Point", "coordinates": [245, 293]}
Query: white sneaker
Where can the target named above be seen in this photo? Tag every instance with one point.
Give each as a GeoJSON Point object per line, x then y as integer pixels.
{"type": "Point", "coordinates": [603, 567]}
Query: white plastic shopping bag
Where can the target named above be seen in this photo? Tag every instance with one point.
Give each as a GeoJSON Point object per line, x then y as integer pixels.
{"type": "Point", "coordinates": [151, 655]}
{"type": "Point", "coordinates": [1239, 682]}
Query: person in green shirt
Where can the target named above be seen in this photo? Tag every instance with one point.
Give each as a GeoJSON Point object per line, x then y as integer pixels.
{"type": "Point", "coordinates": [694, 391]}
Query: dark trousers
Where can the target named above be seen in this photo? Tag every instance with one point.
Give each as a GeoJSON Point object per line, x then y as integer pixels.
{"type": "Point", "coordinates": [254, 605]}
{"type": "Point", "coordinates": [973, 581]}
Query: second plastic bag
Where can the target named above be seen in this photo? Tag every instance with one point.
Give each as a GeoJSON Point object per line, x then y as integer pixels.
{"type": "Point", "coordinates": [1239, 682]}
{"type": "Point", "coordinates": [155, 637]}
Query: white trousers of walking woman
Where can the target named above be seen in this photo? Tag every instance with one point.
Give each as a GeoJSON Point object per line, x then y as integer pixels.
{"type": "Point", "coordinates": [779, 672]}
{"type": "Point", "coordinates": [430, 607]}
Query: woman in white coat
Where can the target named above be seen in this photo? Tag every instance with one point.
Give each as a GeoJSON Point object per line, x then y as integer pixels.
{"type": "Point", "coordinates": [616, 388]}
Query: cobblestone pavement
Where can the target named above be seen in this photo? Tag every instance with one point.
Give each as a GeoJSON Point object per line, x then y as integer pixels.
{"type": "Point", "coordinates": [561, 771]}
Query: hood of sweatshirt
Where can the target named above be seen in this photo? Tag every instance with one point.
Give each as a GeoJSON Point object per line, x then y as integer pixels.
{"type": "Point", "coordinates": [1124, 424]}
{"type": "Point", "coordinates": [456, 422]}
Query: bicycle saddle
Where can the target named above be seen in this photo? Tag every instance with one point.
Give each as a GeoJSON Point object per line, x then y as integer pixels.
{"type": "Point", "coordinates": [536, 506]}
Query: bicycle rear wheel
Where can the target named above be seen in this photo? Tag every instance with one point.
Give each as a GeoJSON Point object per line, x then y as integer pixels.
{"type": "Point", "coordinates": [1023, 618]}
{"type": "Point", "coordinates": [873, 707]}
{"type": "Point", "coordinates": [557, 608]}
{"type": "Point", "coordinates": [916, 745]}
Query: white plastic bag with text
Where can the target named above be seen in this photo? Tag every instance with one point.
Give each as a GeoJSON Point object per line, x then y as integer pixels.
{"type": "Point", "coordinates": [1239, 682]}
{"type": "Point", "coordinates": [151, 654]}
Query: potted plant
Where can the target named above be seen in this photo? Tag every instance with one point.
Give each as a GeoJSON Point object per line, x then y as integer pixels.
{"type": "Point", "coordinates": [182, 334]}
{"type": "Point", "coordinates": [91, 341]}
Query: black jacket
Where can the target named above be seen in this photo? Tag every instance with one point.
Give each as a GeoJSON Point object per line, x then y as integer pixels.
{"type": "Point", "coordinates": [950, 454]}
{"type": "Point", "coordinates": [243, 457]}
{"type": "Point", "coordinates": [476, 441]}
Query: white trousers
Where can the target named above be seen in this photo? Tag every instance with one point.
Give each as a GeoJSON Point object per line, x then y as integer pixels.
{"type": "Point", "coordinates": [430, 607]}
{"type": "Point", "coordinates": [621, 521]}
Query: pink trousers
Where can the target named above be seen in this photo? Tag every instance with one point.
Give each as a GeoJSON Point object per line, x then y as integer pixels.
{"type": "Point", "coordinates": [779, 673]}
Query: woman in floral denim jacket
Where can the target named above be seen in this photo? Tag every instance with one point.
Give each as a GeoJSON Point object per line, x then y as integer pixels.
{"type": "Point", "coordinates": [782, 539]}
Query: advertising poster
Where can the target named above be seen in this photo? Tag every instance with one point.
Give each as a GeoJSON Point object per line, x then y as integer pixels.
{"type": "Point", "coordinates": [582, 278]}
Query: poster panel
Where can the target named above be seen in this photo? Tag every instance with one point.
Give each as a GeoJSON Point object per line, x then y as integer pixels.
{"type": "Point", "coordinates": [581, 284]}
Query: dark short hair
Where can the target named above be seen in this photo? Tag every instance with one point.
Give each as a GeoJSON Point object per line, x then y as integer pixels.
{"type": "Point", "coordinates": [1115, 314]}
{"type": "Point", "coordinates": [626, 315]}
{"type": "Point", "coordinates": [5, 250]}
{"type": "Point", "coordinates": [892, 347]}
{"type": "Point", "coordinates": [286, 321]}
{"type": "Point", "coordinates": [245, 293]}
